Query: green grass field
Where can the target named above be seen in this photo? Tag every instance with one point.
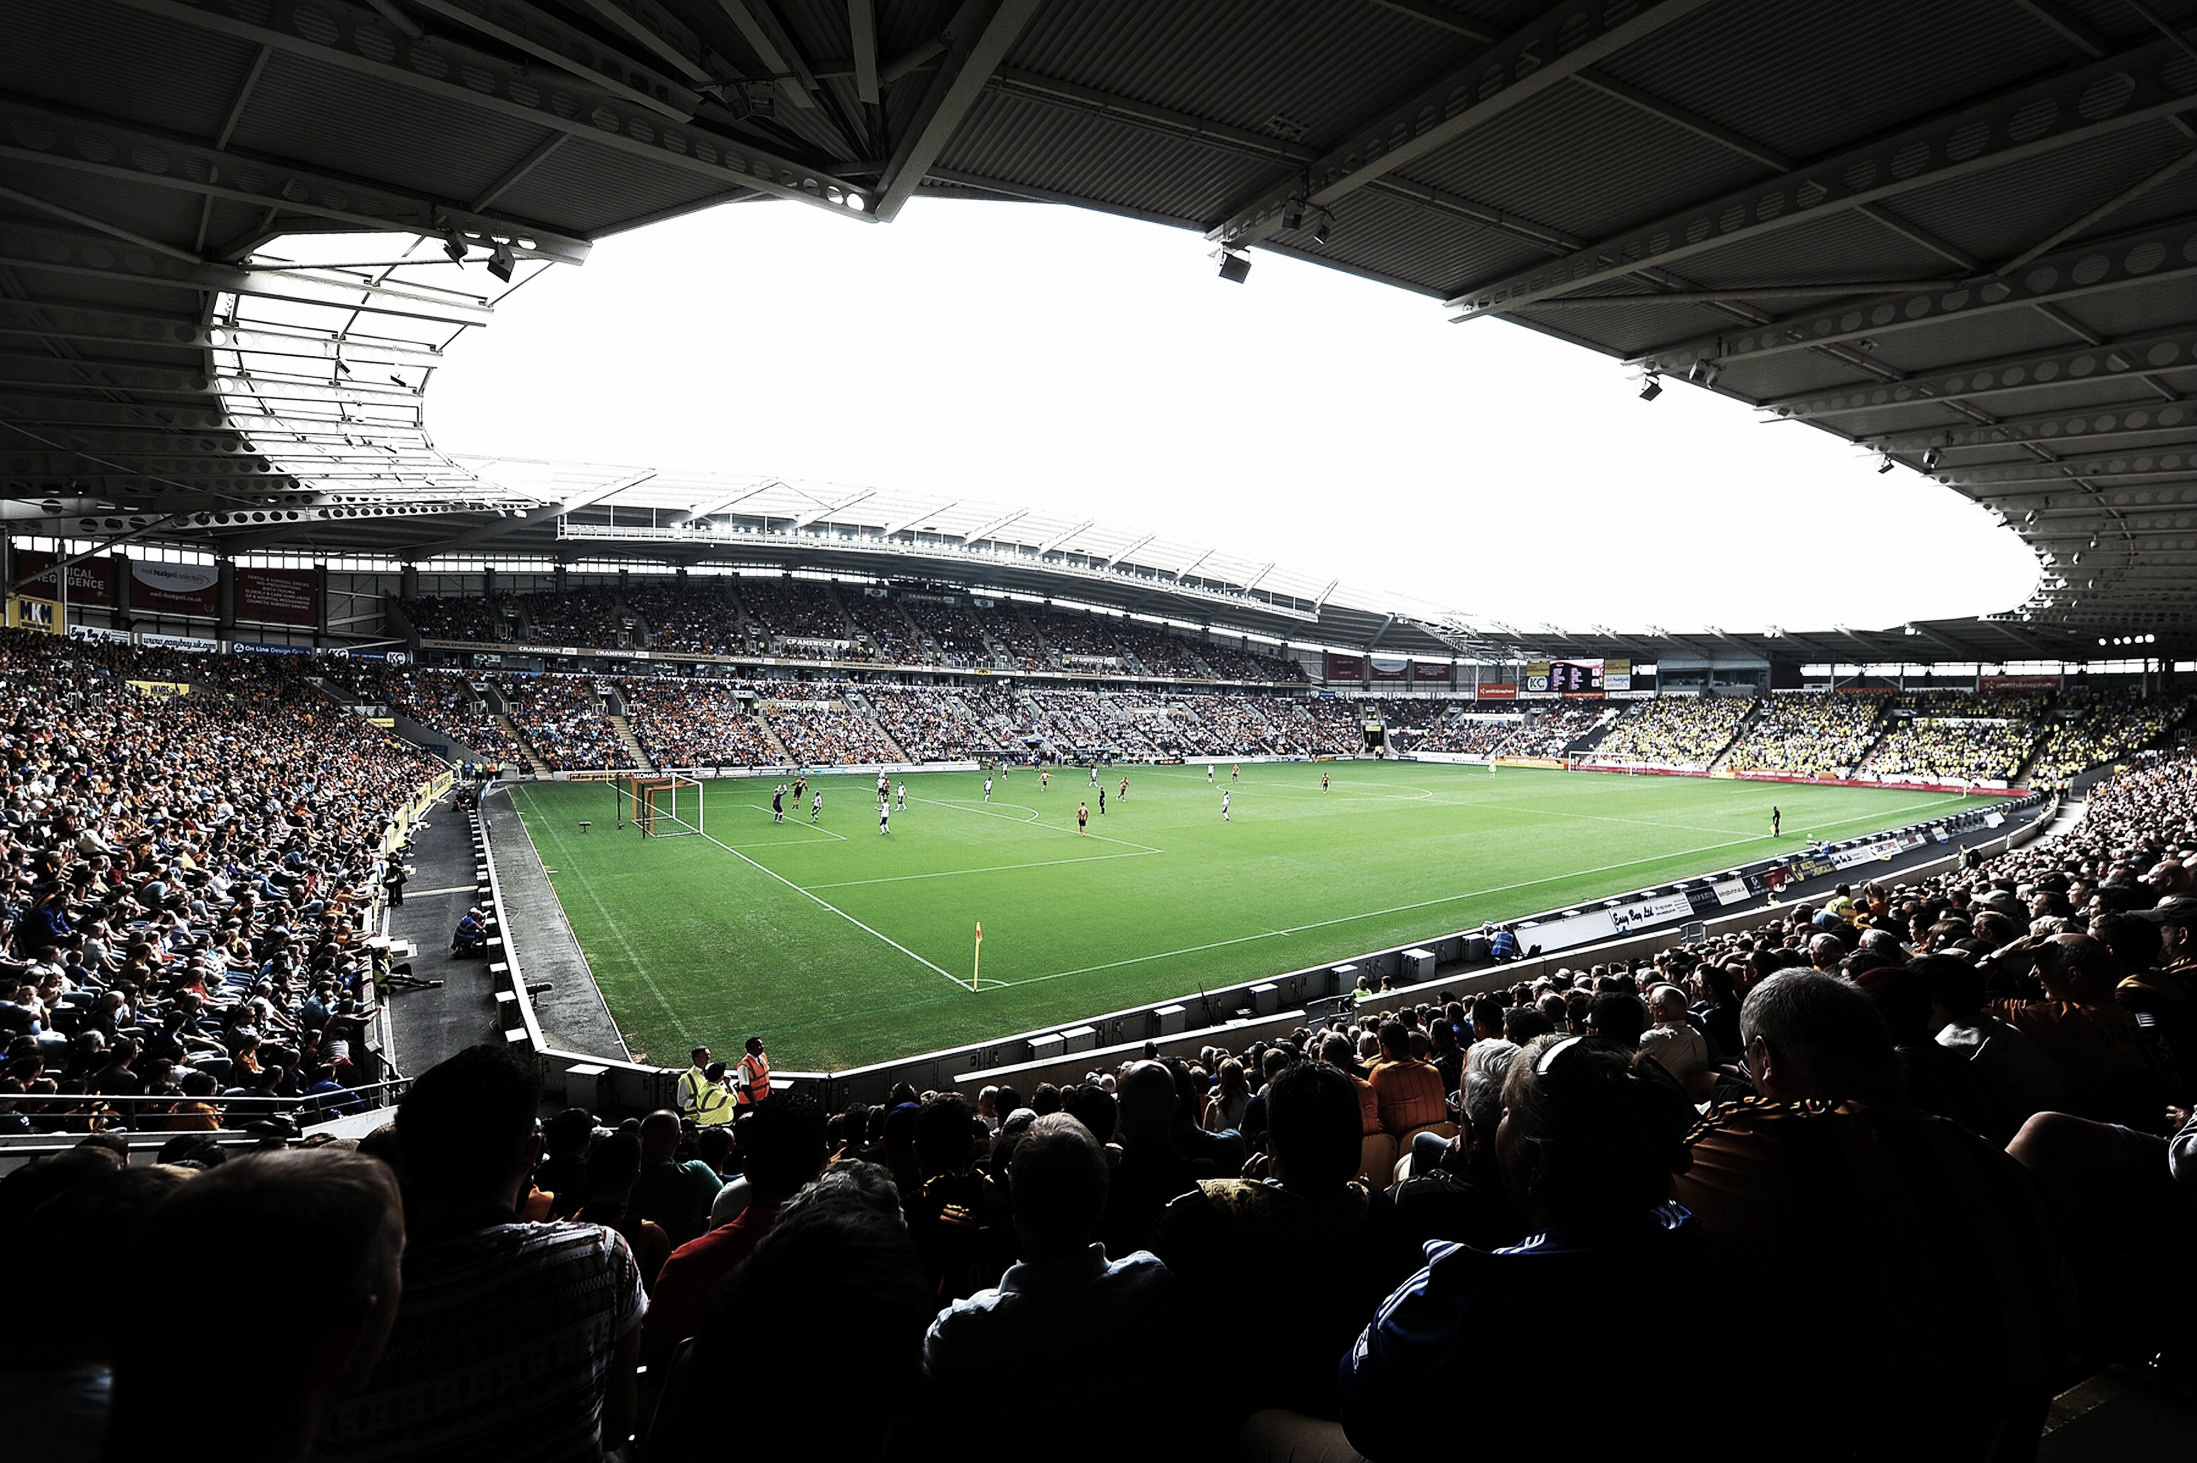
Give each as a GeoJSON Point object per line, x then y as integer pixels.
{"type": "Point", "coordinates": [842, 947]}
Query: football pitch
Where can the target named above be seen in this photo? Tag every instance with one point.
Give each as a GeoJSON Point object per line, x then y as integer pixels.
{"type": "Point", "coordinates": [843, 946]}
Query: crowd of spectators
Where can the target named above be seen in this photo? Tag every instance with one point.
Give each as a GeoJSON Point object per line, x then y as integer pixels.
{"type": "Point", "coordinates": [1686, 732]}
{"type": "Point", "coordinates": [931, 724]}
{"type": "Point", "coordinates": [187, 885]}
{"type": "Point", "coordinates": [591, 615]}
{"type": "Point", "coordinates": [2086, 730]}
{"type": "Point", "coordinates": [1818, 734]}
{"type": "Point", "coordinates": [563, 718]}
{"type": "Point", "coordinates": [1939, 748]}
{"type": "Point", "coordinates": [699, 723]}
{"type": "Point", "coordinates": [827, 733]}
{"type": "Point", "coordinates": [691, 617]}
{"type": "Point", "coordinates": [458, 617]}
{"type": "Point", "coordinates": [953, 634]}
{"type": "Point", "coordinates": [885, 633]}
{"type": "Point", "coordinates": [1980, 1081]}
{"type": "Point", "coordinates": [799, 619]}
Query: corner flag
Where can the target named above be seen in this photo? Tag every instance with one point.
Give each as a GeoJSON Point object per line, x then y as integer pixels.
{"type": "Point", "coordinates": [976, 972]}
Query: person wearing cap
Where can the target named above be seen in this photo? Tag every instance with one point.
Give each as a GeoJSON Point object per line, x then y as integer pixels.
{"type": "Point", "coordinates": [2167, 991]}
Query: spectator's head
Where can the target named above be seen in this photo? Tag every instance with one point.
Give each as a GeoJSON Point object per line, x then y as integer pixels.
{"type": "Point", "coordinates": [1395, 1041]}
{"type": "Point", "coordinates": [660, 1135]}
{"type": "Point", "coordinates": [466, 1130]}
{"type": "Point", "coordinates": [327, 1213]}
{"type": "Point", "coordinates": [700, 1056]}
{"type": "Point", "coordinates": [1668, 1003]}
{"type": "Point", "coordinates": [1618, 1016]}
{"type": "Point", "coordinates": [1809, 1034]}
{"type": "Point", "coordinates": [781, 1146]}
{"type": "Point", "coordinates": [1589, 1135]}
{"type": "Point", "coordinates": [1147, 1094]}
{"type": "Point", "coordinates": [1313, 1126]}
{"type": "Point", "coordinates": [945, 1134]}
{"type": "Point", "coordinates": [1058, 1182]}
{"type": "Point", "coordinates": [1094, 1107]}
{"type": "Point", "coordinates": [2077, 968]}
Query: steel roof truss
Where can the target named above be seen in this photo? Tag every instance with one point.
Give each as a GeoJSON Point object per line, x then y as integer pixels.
{"type": "Point", "coordinates": [1547, 51]}
{"type": "Point", "coordinates": [1984, 134]}
{"type": "Point", "coordinates": [2071, 365]}
{"type": "Point", "coordinates": [2163, 251]}
{"type": "Point", "coordinates": [979, 37]}
{"type": "Point", "coordinates": [363, 44]}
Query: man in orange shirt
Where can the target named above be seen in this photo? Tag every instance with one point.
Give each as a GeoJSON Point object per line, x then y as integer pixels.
{"type": "Point", "coordinates": [1408, 1090]}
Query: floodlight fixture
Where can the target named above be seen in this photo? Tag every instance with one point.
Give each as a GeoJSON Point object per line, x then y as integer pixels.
{"type": "Point", "coordinates": [1930, 460]}
{"type": "Point", "coordinates": [502, 263]}
{"type": "Point", "coordinates": [1703, 373]}
{"type": "Point", "coordinates": [1886, 465]}
{"type": "Point", "coordinates": [1293, 215]}
{"type": "Point", "coordinates": [2029, 518]}
{"type": "Point", "coordinates": [1323, 228]}
{"type": "Point", "coordinates": [1235, 266]}
{"type": "Point", "coordinates": [453, 244]}
{"type": "Point", "coordinates": [1652, 389]}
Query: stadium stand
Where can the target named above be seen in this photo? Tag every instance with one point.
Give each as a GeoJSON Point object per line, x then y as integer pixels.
{"type": "Point", "coordinates": [189, 942]}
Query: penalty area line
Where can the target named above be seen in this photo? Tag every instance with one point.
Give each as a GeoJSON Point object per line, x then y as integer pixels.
{"type": "Point", "coordinates": [822, 902]}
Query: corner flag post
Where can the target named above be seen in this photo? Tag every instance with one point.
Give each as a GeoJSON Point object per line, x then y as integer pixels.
{"type": "Point", "coordinates": [976, 972]}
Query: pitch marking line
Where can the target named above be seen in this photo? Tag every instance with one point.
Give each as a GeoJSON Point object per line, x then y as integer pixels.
{"type": "Point", "coordinates": [1382, 913]}
{"type": "Point", "coordinates": [617, 933]}
{"type": "Point", "coordinates": [835, 909]}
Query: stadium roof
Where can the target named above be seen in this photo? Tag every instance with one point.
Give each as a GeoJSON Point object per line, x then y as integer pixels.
{"type": "Point", "coordinates": [1962, 234]}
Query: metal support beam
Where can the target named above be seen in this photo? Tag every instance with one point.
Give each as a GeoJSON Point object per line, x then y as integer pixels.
{"type": "Point", "coordinates": [2128, 88]}
{"type": "Point", "coordinates": [914, 518]}
{"type": "Point", "coordinates": [713, 508]}
{"type": "Point", "coordinates": [987, 531]}
{"type": "Point", "coordinates": [572, 503]}
{"type": "Point", "coordinates": [774, 48]}
{"type": "Point", "coordinates": [2049, 429]}
{"type": "Point", "coordinates": [2161, 252]}
{"type": "Point", "coordinates": [33, 133]}
{"type": "Point", "coordinates": [492, 83]}
{"type": "Point", "coordinates": [1546, 52]}
{"type": "Point", "coordinates": [826, 510]}
{"type": "Point", "coordinates": [2026, 372]}
{"type": "Point", "coordinates": [572, 51]}
{"type": "Point", "coordinates": [978, 39]}
{"type": "Point", "coordinates": [651, 27]}
{"type": "Point", "coordinates": [1125, 553]}
{"type": "Point", "coordinates": [1060, 538]}
{"type": "Point", "coordinates": [862, 36]}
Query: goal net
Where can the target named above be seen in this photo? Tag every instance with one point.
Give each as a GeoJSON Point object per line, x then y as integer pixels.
{"type": "Point", "coordinates": [663, 806]}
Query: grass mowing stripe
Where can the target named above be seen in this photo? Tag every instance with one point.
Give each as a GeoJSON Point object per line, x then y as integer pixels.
{"type": "Point", "coordinates": [1392, 855]}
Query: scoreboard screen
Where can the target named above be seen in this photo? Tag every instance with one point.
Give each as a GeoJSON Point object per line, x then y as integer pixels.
{"type": "Point", "coordinates": [1564, 677]}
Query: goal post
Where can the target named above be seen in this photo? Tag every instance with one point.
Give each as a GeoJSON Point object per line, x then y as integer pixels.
{"type": "Point", "coordinates": [664, 805]}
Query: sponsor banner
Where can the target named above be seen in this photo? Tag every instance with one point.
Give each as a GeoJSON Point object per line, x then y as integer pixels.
{"type": "Point", "coordinates": [90, 583]}
{"type": "Point", "coordinates": [98, 632]}
{"type": "Point", "coordinates": [280, 596]}
{"type": "Point", "coordinates": [1630, 917]}
{"type": "Point", "coordinates": [2018, 683]}
{"type": "Point", "coordinates": [1552, 762]}
{"type": "Point", "coordinates": [1617, 675]}
{"type": "Point", "coordinates": [180, 642]}
{"type": "Point", "coordinates": [1430, 670]}
{"type": "Point", "coordinates": [1880, 851]}
{"type": "Point", "coordinates": [162, 690]}
{"type": "Point", "coordinates": [266, 647]}
{"type": "Point", "coordinates": [1731, 891]}
{"type": "Point", "coordinates": [1563, 934]}
{"type": "Point", "coordinates": [1498, 690]}
{"type": "Point", "coordinates": [1345, 667]}
{"type": "Point", "coordinates": [185, 589]}
{"type": "Point", "coordinates": [1389, 667]}
{"type": "Point", "coordinates": [1704, 900]}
